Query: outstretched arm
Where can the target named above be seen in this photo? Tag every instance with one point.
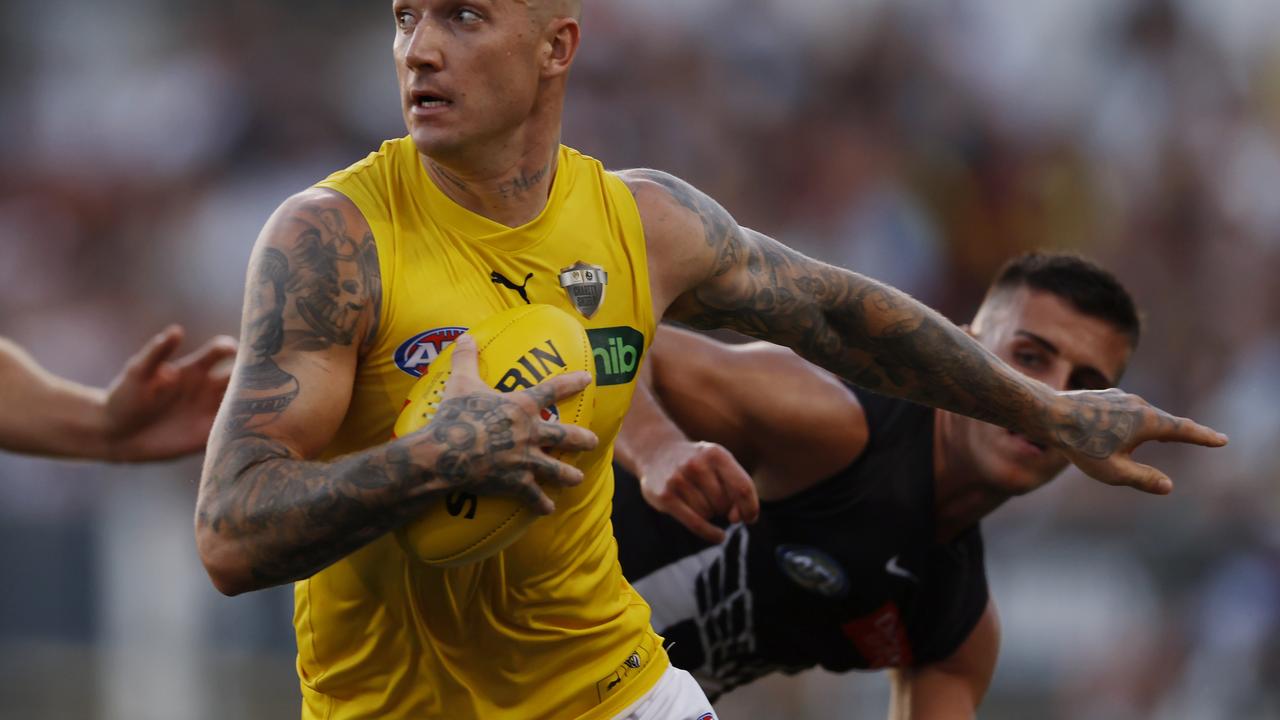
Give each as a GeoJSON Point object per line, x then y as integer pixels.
{"type": "Point", "coordinates": [157, 408]}
{"type": "Point", "coordinates": [268, 512]}
{"type": "Point", "coordinates": [707, 410]}
{"type": "Point", "coordinates": [710, 272]}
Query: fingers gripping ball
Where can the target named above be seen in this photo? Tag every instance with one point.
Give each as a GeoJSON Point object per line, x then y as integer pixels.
{"type": "Point", "coordinates": [516, 349]}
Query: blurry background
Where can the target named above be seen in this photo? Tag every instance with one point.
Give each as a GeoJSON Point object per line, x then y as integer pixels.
{"type": "Point", "coordinates": [143, 144]}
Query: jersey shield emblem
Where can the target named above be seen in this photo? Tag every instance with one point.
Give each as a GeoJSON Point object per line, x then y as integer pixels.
{"type": "Point", "coordinates": [585, 285]}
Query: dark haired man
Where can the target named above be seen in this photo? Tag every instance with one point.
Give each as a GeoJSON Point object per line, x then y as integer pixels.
{"type": "Point", "coordinates": [867, 553]}
{"type": "Point", "coordinates": [352, 276]}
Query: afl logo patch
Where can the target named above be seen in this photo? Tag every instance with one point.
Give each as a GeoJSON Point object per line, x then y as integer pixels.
{"type": "Point", "coordinates": [813, 570]}
{"type": "Point", "coordinates": [414, 356]}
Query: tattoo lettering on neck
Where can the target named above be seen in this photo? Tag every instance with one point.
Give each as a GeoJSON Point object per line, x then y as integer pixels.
{"type": "Point", "coordinates": [448, 176]}
{"type": "Point", "coordinates": [515, 187]}
{"type": "Point", "coordinates": [523, 183]}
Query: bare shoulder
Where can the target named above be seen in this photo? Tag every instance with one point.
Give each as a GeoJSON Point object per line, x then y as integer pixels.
{"type": "Point", "coordinates": [321, 209]}
{"type": "Point", "coordinates": [691, 238]}
{"type": "Point", "coordinates": [676, 210]}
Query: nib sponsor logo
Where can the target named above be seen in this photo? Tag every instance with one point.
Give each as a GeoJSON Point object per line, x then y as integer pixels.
{"type": "Point", "coordinates": [617, 352]}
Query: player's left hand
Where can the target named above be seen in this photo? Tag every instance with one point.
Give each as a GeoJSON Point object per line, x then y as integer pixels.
{"type": "Point", "coordinates": [1098, 431]}
{"type": "Point", "coordinates": [159, 408]}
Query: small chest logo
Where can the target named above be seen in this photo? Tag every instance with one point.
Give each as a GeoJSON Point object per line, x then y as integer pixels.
{"type": "Point", "coordinates": [585, 284]}
{"type": "Point", "coordinates": [881, 638]}
{"type": "Point", "coordinates": [415, 355]}
{"type": "Point", "coordinates": [498, 278]}
{"type": "Point", "coordinates": [813, 570]}
{"type": "Point", "coordinates": [631, 665]}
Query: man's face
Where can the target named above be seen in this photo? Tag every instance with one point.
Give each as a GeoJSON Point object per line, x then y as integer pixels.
{"type": "Point", "coordinates": [468, 71]}
{"type": "Point", "coordinates": [1044, 337]}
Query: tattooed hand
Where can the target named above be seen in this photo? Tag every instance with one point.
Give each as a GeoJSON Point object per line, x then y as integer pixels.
{"type": "Point", "coordinates": [487, 442]}
{"type": "Point", "coordinates": [1099, 429]}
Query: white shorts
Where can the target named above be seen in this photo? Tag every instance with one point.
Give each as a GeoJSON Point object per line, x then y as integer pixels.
{"type": "Point", "coordinates": [676, 696]}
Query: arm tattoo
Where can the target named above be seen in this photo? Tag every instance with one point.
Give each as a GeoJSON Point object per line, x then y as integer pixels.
{"type": "Point", "coordinates": [307, 297]}
{"type": "Point", "coordinates": [869, 333]}
{"type": "Point", "coordinates": [333, 282]}
{"type": "Point", "coordinates": [264, 389]}
{"type": "Point", "coordinates": [294, 518]}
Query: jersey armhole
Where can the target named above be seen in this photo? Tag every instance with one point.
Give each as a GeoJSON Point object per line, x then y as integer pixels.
{"type": "Point", "coordinates": [636, 247]}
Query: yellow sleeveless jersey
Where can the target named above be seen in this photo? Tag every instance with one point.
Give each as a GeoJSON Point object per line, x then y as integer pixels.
{"type": "Point", "coordinates": [548, 628]}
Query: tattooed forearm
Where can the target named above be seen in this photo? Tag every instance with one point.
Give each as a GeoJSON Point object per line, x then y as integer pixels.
{"type": "Point", "coordinates": [287, 518]}
{"type": "Point", "coordinates": [856, 327]}
{"type": "Point", "coordinates": [290, 518]}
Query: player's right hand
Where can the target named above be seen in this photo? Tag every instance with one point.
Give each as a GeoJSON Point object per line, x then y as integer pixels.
{"type": "Point", "coordinates": [1098, 430]}
{"type": "Point", "coordinates": [492, 443]}
{"type": "Point", "coordinates": [695, 482]}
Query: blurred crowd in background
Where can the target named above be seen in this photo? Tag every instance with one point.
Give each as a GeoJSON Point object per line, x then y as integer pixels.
{"type": "Point", "coordinates": [144, 143]}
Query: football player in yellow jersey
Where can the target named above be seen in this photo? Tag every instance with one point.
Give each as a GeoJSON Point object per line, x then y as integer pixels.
{"type": "Point", "coordinates": [355, 283]}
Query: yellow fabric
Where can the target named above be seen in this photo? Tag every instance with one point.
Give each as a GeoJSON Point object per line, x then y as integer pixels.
{"type": "Point", "coordinates": [548, 628]}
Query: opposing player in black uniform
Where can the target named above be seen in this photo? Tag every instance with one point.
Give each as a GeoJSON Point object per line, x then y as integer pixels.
{"type": "Point", "coordinates": [867, 552]}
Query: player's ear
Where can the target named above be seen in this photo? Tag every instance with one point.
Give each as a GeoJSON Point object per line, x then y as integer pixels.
{"type": "Point", "coordinates": [560, 46]}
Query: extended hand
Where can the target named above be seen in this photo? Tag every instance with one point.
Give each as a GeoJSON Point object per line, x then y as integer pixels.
{"type": "Point", "coordinates": [497, 443]}
{"type": "Point", "coordinates": [696, 481]}
{"type": "Point", "coordinates": [1099, 429]}
{"type": "Point", "coordinates": [158, 408]}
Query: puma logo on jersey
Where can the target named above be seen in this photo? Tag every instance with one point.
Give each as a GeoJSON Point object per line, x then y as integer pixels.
{"type": "Point", "coordinates": [498, 278]}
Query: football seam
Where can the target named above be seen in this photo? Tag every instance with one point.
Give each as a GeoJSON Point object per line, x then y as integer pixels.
{"type": "Point", "coordinates": [480, 541]}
